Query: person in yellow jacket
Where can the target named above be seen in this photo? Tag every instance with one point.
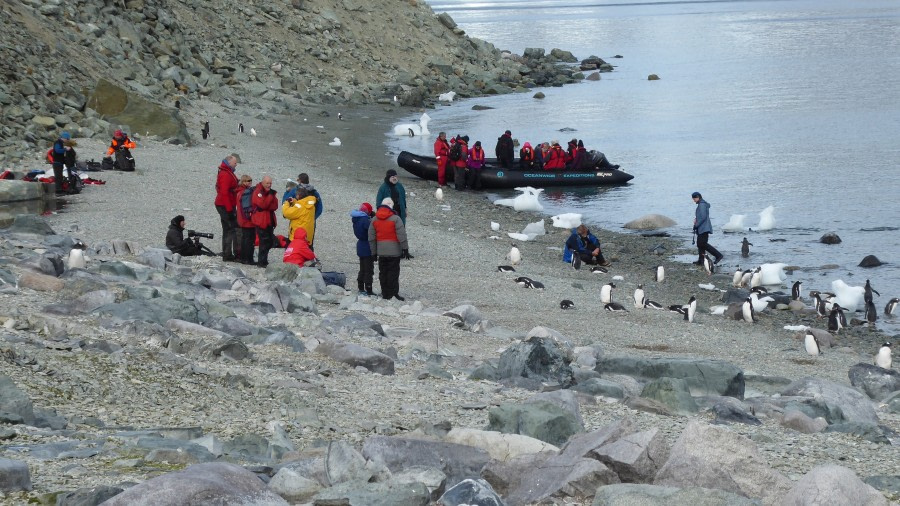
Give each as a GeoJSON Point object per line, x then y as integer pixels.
{"type": "Point", "coordinates": [302, 213]}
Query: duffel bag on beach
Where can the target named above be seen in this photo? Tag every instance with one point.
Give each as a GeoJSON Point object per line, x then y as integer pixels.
{"type": "Point", "coordinates": [334, 278]}
{"type": "Point", "coordinates": [107, 163]}
{"type": "Point", "coordinates": [92, 166]}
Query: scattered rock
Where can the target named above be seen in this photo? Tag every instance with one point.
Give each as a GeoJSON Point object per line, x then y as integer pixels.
{"type": "Point", "coordinates": [835, 485]}
{"type": "Point", "coordinates": [874, 381]}
{"type": "Point", "coordinates": [457, 462]}
{"type": "Point", "coordinates": [653, 77]}
{"type": "Point", "coordinates": [870, 261]}
{"type": "Point", "coordinates": [473, 492]}
{"type": "Point", "coordinates": [14, 475]}
{"type": "Point", "coordinates": [830, 238]}
{"type": "Point", "coordinates": [671, 392]}
{"type": "Point", "coordinates": [800, 422]}
{"type": "Point", "coordinates": [655, 495]}
{"type": "Point", "coordinates": [540, 420]}
{"type": "Point", "coordinates": [703, 377]}
{"type": "Point", "coordinates": [542, 359]}
{"type": "Point", "coordinates": [636, 457]}
{"type": "Point", "coordinates": [355, 355]}
{"type": "Point", "coordinates": [851, 405]}
{"type": "Point", "coordinates": [501, 447]}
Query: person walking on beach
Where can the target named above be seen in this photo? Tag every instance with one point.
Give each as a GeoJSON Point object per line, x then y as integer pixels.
{"type": "Point", "coordinates": [265, 202]}
{"type": "Point", "coordinates": [703, 227]}
{"type": "Point", "coordinates": [245, 235]}
{"type": "Point", "coordinates": [58, 158]}
{"type": "Point", "coordinates": [392, 188]}
{"type": "Point", "coordinates": [441, 154]}
{"type": "Point", "coordinates": [387, 242]}
{"type": "Point", "coordinates": [226, 183]}
{"type": "Point", "coordinates": [474, 165]}
{"type": "Point", "coordinates": [505, 149]}
{"type": "Point", "coordinates": [361, 220]}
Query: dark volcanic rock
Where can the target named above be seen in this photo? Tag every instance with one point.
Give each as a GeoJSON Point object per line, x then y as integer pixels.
{"type": "Point", "coordinates": [830, 238]}
{"type": "Point", "coordinates": [870, 261]}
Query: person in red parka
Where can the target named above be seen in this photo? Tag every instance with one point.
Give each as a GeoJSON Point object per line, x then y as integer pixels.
{"type": "Point", "coordinates": [298, 251]}
{"type": "Point", "coordinates": [246, 232]}
{"type": "Point", "coordinates": [459, 166]}
{"type": "Point", "coordinates": [226, 182]}
{"type": "Point", "coordinates": [441, 153]}
{"type": "Point", "coordinates": [265, 202]}
{"type": "Point", "coordinates": [556, 159]}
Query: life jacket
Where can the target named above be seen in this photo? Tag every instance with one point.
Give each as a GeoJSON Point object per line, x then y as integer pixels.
{"type": "Point", "coordinates": [526, 154]}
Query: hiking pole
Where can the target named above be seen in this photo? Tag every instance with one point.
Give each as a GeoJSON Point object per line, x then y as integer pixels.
{"type": "Point", "coordinates": [694, 237]}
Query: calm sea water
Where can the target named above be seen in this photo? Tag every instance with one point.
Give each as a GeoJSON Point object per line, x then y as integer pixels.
{"type": "Point", "coordinates": [790, 103]}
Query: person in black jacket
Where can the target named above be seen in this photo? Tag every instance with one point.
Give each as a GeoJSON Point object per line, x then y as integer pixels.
{"type": "Point", "coordinates": [175, 239]}
{"type": "Point", "coordinates": [505, 150]}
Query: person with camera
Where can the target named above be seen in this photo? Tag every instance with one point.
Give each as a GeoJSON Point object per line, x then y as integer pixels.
{"type": "Point", "coordinates": [226, 182]}
{"type": "Point", "coordinates": [176, 242]}
{"type": "Point", "coordinates": [265, 202]}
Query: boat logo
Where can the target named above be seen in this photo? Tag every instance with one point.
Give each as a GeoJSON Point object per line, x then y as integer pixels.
{"type": "Point", "coordinates": [499, 173]}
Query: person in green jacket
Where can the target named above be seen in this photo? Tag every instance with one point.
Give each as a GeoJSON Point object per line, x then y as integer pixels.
{"type": "Point", "coordinates": [392, 188]}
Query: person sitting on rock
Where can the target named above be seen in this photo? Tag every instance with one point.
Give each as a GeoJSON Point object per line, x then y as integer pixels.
{"type": "Point", "coordinates": [583, 247]}
{"type": "Point", "coordinates": [176, 242]}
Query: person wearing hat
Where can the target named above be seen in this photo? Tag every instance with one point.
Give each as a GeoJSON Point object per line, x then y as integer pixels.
{"type": "Point", "coordinates": [459, 166]}
{"type": "Point", "coordinates": [570, 153]}
{"type": "Point", "coordinates": [226, 202]}
{"type": "Point", "coordinates": [119, 141]}
{"type": "Point", "coordinates": [703, 227]}
{"type": "Point", "coordinates": [175, 239]}
{"type": "Point", "coordinates": [265, 202]}
{"type": "Point", "coordinates": [580, 162]}
{"type": "Point", "coordinates": [387, 242]}
{"type": "Point", "coordinates": [392, 188]}
{"type": "Point", "coordinates": [505, 150]}
{"type": "Point", "coordinates": [556, 158]}
{"type": "Point", "coordinates": [442, 156]}
{"type": "Point", "coordinates": [474, 165]}
{"type": "Point", "coordinates": [245, 234]}
{"type": "Point", "coordinates": [361, 219]}
{"type": "Point", "coordinates": [57, 157]}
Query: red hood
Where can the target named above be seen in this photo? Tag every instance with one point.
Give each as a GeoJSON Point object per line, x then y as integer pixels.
{"type": "Point", "coordinates": [384, 212]}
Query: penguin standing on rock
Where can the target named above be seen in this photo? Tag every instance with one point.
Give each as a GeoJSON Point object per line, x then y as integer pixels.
{"type": "Point", "coordinates": [836, 319]}
{"type": "Point", "coordinates": [883, 357]}
{"type": "Point", "coordinates": [747, 311]}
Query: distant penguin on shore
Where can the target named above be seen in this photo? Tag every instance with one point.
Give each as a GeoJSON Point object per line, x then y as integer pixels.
{"type": "Point", "coordinates": [514, 256]}
{"type": "Point", "coordinates": [736, 279]}
{"type": "Point", "coordinates": [523, 281]}
{"type": "Point", "coordinates": [691, 310]}
{"type": "Point", "coordinates": [708, 265]}
{"type": "Point", "coordinates": [596, 269]}
{"type": "Point", "coordinates": [606, 293]}
{"type": "Point", "coordinates": [836, 320]}
{"type": "Point", "coordinates": [505, 268]}
{"type": "Point", "coordinates": [883, 357]}
{"type": "Point", "coordinates": [439, 194]}
{"type": "Point", "coordinates": [652, 304]}
{"type": "Point", "coordinates": [639, 297]}
{"type": "Point", "coordinates": [867, 295]}
{"type": "Point", "coordinates": [76, 259]}
{"type": "Point", "coordinates": [566, 304]}
{"type": "Point", "coordinates": [820, 304]}
{"type": "Point", "coordinates": [812, 345]}
{"type": "Point", "coordinates": [796, 293]}
{"type": "Point", "coordinates": [891, 306]}
{"type": "Point", "coordinates": [240, 128]}
{"type": "Point", "coordinates": [615, 307]}
{"type": "Point", "coordinates": [745, 248]}
{"type": "Point", "coordinates": [252, 132]}
{"type": "Point", "coordinates": [660, 273]}
{"type": "Point", "coordinates": [747, 311]}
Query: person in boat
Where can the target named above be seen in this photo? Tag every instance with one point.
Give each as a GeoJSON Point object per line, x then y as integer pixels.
{"type": "Point", "coordinates": [582, 160]}
{"type": "Point", "coordinates": [441, 154]}
{"type": "Point", "coordinates": [459, 166]}
{"type": "Point", "coordinates": [541, 154]}
{"type": "Point", "coordinates": [571, 149]}
{"type": "Point", "coordinates": [474, 165]}
{"type": "Point", "coordinates": [505, 150]}
{"type": "Point", "coordinates": [555, 159]}
{"type": "Point", "coordinates": [392, 188]}
{"type": "Point", "coordinates": [583, 247]}
{"type": "Point", "coordinates": [527, 159]}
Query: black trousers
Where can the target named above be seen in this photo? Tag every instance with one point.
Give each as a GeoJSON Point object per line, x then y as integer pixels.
{"type": "Point", "coordinates": [366, 273]}
{"type": "Point", "coordinates": [703, 246]}
{"type": "Point", "coordinates": [58, 176]}
{"type": "Point", "coordinates": [459, 178]}
{"type": "Point", "coordinates": [389, 276]}
{"type": "Point", "coordinates": [248, 240]}
{"type": "Point", "coordinates": [266, 240]}
{"type": "Point", "coordinates": [229, 226]}
{"type": "Point", "coordinates": [589, 259]}
{"type": "Point", "coordinates": [473, 179]}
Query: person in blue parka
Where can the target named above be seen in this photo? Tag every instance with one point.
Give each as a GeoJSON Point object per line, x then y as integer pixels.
{"type": "Point", "coordinates": [583, 247]}
{"type": "Point", "coordinates": [703, 227]}
{"type": "Point", "coordinates": [361, 219]}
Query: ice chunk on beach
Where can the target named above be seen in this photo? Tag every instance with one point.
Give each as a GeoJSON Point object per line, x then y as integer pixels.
{"type": "Point", "coordinates": [849, 297]}
{"type": "Point", "coordinates": [766, 219]}
{"type": "Point", "coordinates": [735, 223]}
{"type": "Point", "coordinates": [335, 142]}
{"type": "Point", "coordinates": [566, 220]}
{"type": "Point", "coordinates": [517, 236]}
{"type": "Point", "coordinates": [772, 274]}
{"type": "Point", "coordinates": [413, 129]}
{"type": "Point", "coordinates": [447, 97]}
{"type": "Point", "coordinates": [495, 226]}
{"type": "Point", "coordinates": [533, 230]}
{"type": "Point", "coordinates": [527, 201]}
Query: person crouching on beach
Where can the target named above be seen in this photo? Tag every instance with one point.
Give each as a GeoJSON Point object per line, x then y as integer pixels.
{"type": "Point", "coordinates": [584, 248]}
{"type": "Point", "coordinates": [265, 202]}
{"type": "Point", "coordinates": [298, 251]}
{"type": "Point", "coordinates": [245, 236]}
{"type": "Point", "coordinates": [361, 219]}
{"type": "Point", "coordinates": [387, 242]}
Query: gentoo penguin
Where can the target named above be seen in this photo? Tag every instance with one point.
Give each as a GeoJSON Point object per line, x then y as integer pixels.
{"type": "Point", "coordinates": [639, 297]}
{"type": "Point", "coordinates": [708, 265]}
{"type": "Point", "coordinates": [524, 281]}
{"type": "Point", "coordinates": [745, 279]}
{"type": "Point", "coordinates": [649, 304]}
{"type": "Point", "coordinates": [834, 318]}
{"type": "Point", "coordinates": [506, 268]}
{"type": "Point", "coordinates": [615, 307]}
{"type": "Point", "coordinates": [691, 310]}
{"type": "Point", "coordinates": [606, 293]}
{"type": "Point", "coordinates": [760, 290]}
{"type": "Point", "coordinates": [820, 304]}
{"type": "Point", "coordinates": [759, 305]}
{"type": "Point", "coordinates": [576, 261]}
{"type": "Point", "coordinates": [747, 311]}
{"type": "Point", "coordinates": [812, 345]}
{"type": "Point", "coordinates": [241, 127]}
{"type": "Point", "coordinates": [796, 294]}
{"type": "Point", "coordinates": [867, 296]}
{"type": "Point", "coordinates": [340, 117]}
{"type": "Point", "coordinates": [745, 248]}
{"type": "Point", "coordinates": [756, 277]}
{"type": "Point", "coordinates": [871, 312]}
{"type": "Point", "coordinates": [514, 256]}
{"type": "Point", "coordinates": [883, 357]}
{"type": "Point", "coordinates": [736, 279]}
{"type": "Point", "coordinates": [76, 259]}
{"type": "Point", "coordinates": [439, 194]}
{"type": "Point", "coordinates": [891, 306]}
{"type": "Point", "coordinates": [660, 273]}
{"type": "Point", "coordinates": [678, 308]}
{"type": "Point", "coordinates": [566, 304]}
{"type": "Point", "coordinates": [596, 269]}
{"type": "Point", "coordinates": [535, 285]}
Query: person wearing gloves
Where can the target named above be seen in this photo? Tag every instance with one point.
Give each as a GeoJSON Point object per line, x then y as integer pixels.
{"type": "Point", "coordinates": [361, 219]}
{"type": "Point", "coordinates": [387, 242]}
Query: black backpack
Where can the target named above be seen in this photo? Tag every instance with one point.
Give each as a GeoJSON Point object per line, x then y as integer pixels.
{"type": "Point", "coordinates": [456, 151]}
{"type": "Point", "coordinates": [245, 203]}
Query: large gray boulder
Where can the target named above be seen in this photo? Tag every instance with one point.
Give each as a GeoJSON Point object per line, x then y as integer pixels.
{"type": "Point", "coordinates": [13, 190]}
{"type": "Point", "coordinates": [15, 401]}
{"type": "Point", "coordinates": [87, 496]}
{"type": "Point", "coordinates": [124, 107]}
{"type": "Point", "coordinates": [501, 447]}
{"type": "Point", "coordinates": [874, 381]}
{"type": "Point", "coordinates": [458, 462]}
{"type": "Point", "coordinates": [843, 403]}
{"type": "Point", "coordinates": [671, 392]}
{"type": "Point", "coordinates": [703, 376]}
{"type": "Point", "coordinates": [472, 492]}
{"type": "Point", "coordinates": [636, 457]}
{"type": "Point", "coordinates": [542, 359]}
{"type": "Point", "coordinates": [541, 420]}
{"type": "Point", "coordinates": [355, 355]}
{"type": "Point", "coordinates": [711, 457]}
{"type": "Point", "coordinates": [356, 493]}
{"type": "Point", "coordinates": [14, 475]}
{"type": "Point", "coordinates": [629, 494]}
{"type": "Point", "coordinates": [832, 485]}
{"type": "Point", "coordinates": [209, 483]}
{"type": "Point", "coordinates": [159, 310]}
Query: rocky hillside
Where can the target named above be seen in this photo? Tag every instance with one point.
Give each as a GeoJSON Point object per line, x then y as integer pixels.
{"type": "Point", "coordinates": [54, 54]}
